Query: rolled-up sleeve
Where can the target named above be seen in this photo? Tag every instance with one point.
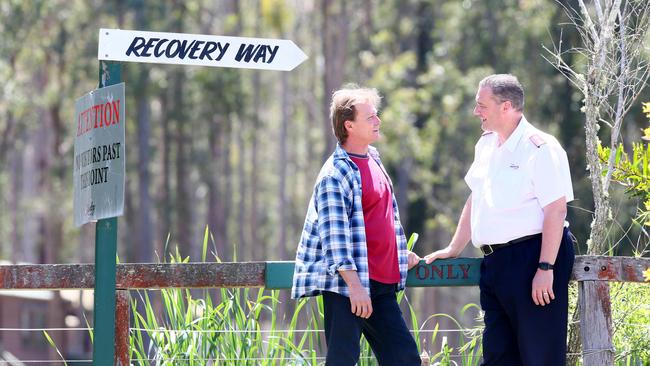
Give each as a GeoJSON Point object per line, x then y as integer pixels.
{"type": "Point", "coordinates": [334, 225]}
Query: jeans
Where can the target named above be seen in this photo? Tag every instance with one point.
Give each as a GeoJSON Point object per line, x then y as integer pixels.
{"type": "Point", "coordinates": [385, 329]}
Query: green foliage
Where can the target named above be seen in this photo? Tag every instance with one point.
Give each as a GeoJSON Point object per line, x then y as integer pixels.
{"type": "Point", "coordinates": [50, 341]}
{"type": "Point", "coordinates": [633, 174]}
{"type": "Point", "coordinates": [241, 326]}
{"type": "Point", "coordinates": [195, 330]}
{"type": "Point", "coordinates": [630, 302]}
{"type": "Point", "coordinates": [244, 328]}
{"type": "Point", "coordinates": [469, 340]}
{"type": "Point", "coordinates": [631, 322]}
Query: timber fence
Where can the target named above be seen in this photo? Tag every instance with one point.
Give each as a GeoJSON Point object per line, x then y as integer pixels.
{"type": "Point", "coordinates": [593, 274]}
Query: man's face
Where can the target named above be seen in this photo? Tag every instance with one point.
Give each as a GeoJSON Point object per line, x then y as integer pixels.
{"type": "Point", "coordinates": [488, 109]}
{"type": "Point", "coordinates": [365, 127]}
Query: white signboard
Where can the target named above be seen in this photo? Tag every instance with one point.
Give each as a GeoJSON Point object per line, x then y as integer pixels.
{"type": "Point", "coordinates": [198, 49]}
{"type": "Point", "coordinates": [99, 155]}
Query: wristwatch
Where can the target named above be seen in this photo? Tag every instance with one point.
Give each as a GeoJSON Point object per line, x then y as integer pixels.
{"type": "Point", "coordinates": [545, 266]}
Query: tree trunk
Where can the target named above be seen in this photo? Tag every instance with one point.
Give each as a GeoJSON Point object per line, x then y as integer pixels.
{"type": "Point", "coordinates": [144, 223]}
{"type": "Point", "coordinates": [165, 189]}
{"type": "Point", "coordinates": [49, 220]}
{"type": "Point", "coordinates": [144, 235]}
{"type": "Point", "coordinates": [335, 33]}
{"type": "Point", "coordinates": [254, 172]}
{"type": "Point", "coordinates": [282, 168]}
{"type": "Point", "coordinates": [28, 192]}
{"type": "Point", "coordinates": [183, 216]}
{"type": "Point", "coordinates": [8, 133]}
{"type": "Point", "coordinates": [14, 199]}
{"type": "Point", "coordinates": [602, 210]}
{"type": "Point", "coordinates": [243, 192]}
{"type": "Point", "coordinates": [213, 180]}
{"type": "Point", "coordinates": [226, 197]}
{"type": "Point", "coordinates": [183, 199]}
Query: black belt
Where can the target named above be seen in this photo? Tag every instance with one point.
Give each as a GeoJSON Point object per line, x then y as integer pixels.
{"type": "Point", "coordinates": [489, 249]}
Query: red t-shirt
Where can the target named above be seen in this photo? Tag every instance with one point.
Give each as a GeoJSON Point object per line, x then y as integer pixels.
{"type": "Point", "coordinates": [377, 203]}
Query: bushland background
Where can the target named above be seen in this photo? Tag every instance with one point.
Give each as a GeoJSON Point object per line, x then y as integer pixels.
{"type": "Point", "coordinates": [238, 150]}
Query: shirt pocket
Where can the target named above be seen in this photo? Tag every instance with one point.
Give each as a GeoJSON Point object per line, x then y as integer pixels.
{"type": "Point", "coordinates": [510, 186]}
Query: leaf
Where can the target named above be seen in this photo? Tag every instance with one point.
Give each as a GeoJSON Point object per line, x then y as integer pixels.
{"type": "Point", "coordinates": [646, 109]}
{"type": "Point", "coordinates": [51, 342]}
{"type": "Point", "coordinates": [646, 134]}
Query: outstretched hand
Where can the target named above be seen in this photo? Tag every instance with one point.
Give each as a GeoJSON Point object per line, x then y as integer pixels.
{"type": "Point", "coordinates": [439, 254]}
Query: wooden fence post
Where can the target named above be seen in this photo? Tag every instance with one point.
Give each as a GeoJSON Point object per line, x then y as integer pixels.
{"type": "Point", "coordinates": [122, 327]}
{"type": "Point", "coordinates": [595, 323]}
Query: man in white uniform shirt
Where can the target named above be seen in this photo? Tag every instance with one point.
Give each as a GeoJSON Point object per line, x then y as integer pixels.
{"type": "Point", "coordinates": [520, 185]}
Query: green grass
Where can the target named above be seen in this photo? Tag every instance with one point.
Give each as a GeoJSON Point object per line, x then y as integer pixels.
{"type": "Point", "coordinates": [247, 327]}
{"type": "Point", "coordinates": [243, 327]}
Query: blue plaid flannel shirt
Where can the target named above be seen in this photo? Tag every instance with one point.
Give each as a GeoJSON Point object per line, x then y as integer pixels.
{"type": "Point", "coordinates": [334, 236]}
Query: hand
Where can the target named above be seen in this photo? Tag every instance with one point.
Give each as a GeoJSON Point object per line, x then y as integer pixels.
{"type": "Point", "coordinates": [439, 254]}
{"type": "Point", "coordinates": [413, 259]}
{"type": "Point", "coordinates": [543, 287]}
{"type": "Point", "coordinates": [360, 302]}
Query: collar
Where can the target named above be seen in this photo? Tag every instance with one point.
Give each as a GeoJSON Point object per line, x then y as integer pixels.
{"type": "Point", "coordinates": [340, 153]}
{"type": "Point", "coordinates": [513, 140]}
{"type": "Point", "coordinates": [358, 156]}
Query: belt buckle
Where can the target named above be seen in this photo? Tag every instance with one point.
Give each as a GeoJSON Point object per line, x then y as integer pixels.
{"type": "Point", "coordinates": [485, 251]}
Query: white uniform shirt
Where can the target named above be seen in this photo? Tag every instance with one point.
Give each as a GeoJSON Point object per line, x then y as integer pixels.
{"type": "Point", "coordinates": [512, 183]}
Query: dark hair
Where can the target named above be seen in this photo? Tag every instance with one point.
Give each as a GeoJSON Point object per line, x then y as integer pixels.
{"type": "Point", "coordinates": [505, 87]}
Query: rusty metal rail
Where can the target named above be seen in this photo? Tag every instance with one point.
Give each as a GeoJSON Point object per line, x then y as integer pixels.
{"type": "Point", "coordinates": [134, 276]}
{"type": "Point", "coordinates": [592, 273]}
{"type": "Point", "coordinates": [453, 272]}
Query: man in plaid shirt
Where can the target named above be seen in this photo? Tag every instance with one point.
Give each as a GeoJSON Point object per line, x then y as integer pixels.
{"type": "Point", "coordinates": [353, 248]}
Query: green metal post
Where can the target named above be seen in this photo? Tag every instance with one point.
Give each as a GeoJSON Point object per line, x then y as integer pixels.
{"type": "Point", "coordinates": [105, 260]}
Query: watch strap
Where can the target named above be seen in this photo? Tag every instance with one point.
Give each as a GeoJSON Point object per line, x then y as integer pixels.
{"type": "Point", "coordinates": [545, 266]}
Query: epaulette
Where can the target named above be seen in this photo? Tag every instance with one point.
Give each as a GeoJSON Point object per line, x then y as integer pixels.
{"type": "Point", "coordinates": [486, 133]}
{"type": "Point", "coordinates": [537, 140]}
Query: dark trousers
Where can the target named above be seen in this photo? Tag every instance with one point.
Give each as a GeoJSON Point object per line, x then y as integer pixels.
{"type": "Point", "coordinates": [385, 329]}
{"type": "Point", "coordinates": [518, 332]}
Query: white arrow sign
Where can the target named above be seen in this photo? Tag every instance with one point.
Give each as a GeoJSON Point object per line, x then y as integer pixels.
{"type": "Point", "coordinates": [198, 49]}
